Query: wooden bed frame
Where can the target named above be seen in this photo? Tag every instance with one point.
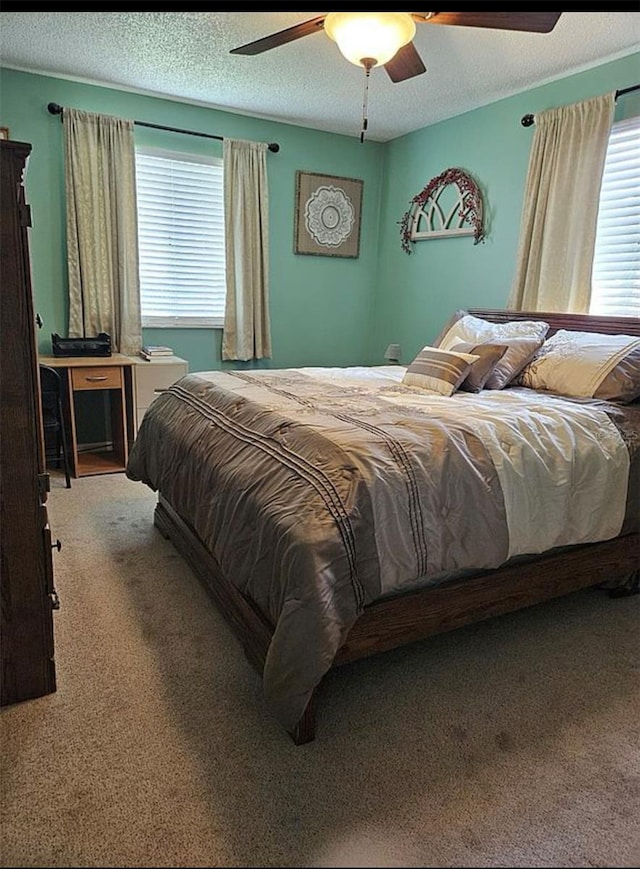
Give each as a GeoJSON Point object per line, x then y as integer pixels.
{"type": "Point", "coordinates": [415, 615]}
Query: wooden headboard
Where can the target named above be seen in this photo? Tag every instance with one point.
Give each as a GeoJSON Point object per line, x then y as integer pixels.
{"type": "Point", "coordinates": [577, 322]}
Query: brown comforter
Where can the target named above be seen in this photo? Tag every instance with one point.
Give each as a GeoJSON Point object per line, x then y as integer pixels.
{"type": "Point", "coordinates": [317, 496]}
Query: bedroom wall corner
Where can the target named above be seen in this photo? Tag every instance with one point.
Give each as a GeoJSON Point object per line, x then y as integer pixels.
{"type": "Point", "coordinates": [416, 293]}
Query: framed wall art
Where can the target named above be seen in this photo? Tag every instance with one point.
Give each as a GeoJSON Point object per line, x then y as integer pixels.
{"type": "Point", "coordinates": [449, 205]}
{"type": "Point", "coordinates": [328, 212]}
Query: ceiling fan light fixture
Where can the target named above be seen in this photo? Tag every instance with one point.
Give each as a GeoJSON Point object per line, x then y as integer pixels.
{"type": "Point", "coordinates": [371, 36]}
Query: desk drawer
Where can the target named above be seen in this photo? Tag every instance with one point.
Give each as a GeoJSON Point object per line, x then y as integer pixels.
{"type": "Point", "coordinates": [99, 377]}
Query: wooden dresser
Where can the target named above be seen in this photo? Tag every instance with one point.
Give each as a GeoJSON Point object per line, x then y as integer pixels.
{"type": "Point", "coordinates": [27, 593]}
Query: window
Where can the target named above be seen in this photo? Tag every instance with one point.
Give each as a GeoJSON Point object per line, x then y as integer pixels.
{"type": "Point", "coordinates": [616, 265]}
{"type": "Point", "coordinates": [180, 239]}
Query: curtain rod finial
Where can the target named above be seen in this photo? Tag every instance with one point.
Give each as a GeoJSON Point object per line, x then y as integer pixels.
{"type": "Point", "coordinates": [527, 120]}
{"type": "Point", "coordinates": [54, 109]}
{"type": "Point", "coordinates": [274, 147]}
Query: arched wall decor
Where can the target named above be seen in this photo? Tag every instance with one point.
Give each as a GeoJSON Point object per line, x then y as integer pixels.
{"type": "Point", "coordinates": [429, 216]}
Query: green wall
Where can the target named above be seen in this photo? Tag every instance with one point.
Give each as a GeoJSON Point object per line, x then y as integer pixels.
{"type": "Point", "coordinates": [321, 312]}
{"type": "Point", "coordinates": [324, 310]}
{"type": "Point", "coordinates": [417, 292]}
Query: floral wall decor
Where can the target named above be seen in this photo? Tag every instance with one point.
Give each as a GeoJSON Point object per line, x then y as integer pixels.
{"type": "Point", "coordinates": [449, 205]}
{"type": "Point", "coordinates": [327, 215]}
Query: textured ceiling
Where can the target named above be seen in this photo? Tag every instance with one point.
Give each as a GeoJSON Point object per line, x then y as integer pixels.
{"type": "Point", "coordinates": [185, 55]}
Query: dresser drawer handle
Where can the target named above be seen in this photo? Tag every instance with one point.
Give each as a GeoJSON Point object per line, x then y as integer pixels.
{"type": "Point", "coordinates": [95, 377]}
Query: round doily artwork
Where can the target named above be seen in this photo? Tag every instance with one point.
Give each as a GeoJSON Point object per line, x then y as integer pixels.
{"type": "Point", "coordinates": [329, 216]}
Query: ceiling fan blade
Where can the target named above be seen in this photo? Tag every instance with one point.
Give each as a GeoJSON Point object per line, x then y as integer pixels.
{"type": "Point", "coordinates": [405, 64]}
{"type": "Point", "coordinates": [281, 37]}
{"type": "Point", "coordinates": [533, 22]}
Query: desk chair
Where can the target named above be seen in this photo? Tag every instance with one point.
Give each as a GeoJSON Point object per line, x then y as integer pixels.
{"type": "Point", "coordinates": [55, 436]}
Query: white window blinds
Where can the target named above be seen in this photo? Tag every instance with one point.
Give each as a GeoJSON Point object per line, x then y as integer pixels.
{"type": "Point", "coordinates": [180, 239]}
{"type": "Point", "coordinates": [616, 266]}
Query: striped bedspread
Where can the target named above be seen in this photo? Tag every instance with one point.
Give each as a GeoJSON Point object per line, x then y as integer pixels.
{"type": "Point", "coordinates": [320, 490]}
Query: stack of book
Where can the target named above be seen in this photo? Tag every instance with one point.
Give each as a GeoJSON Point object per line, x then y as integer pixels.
{"type": "Point", "coordinates": [155, 351]}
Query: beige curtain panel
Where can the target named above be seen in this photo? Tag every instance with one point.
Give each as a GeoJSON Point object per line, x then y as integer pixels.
{"type": "Point", "coordinates": [102, 229]}
{"type": "Point", "coordinates": [560, 211]}
{"type": "Point", "coordinates": [247, 327]}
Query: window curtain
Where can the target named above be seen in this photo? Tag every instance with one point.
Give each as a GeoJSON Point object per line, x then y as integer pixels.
{"type": "Point", "coordinates": [247, 328]}
{"type": "Point", "coordinates": [102, 229]}
{"type": "Point", "coordinates": [560, 211]}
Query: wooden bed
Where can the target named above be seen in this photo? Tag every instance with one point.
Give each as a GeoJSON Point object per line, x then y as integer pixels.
{"type": "Point", "coordinates": [417, 614]}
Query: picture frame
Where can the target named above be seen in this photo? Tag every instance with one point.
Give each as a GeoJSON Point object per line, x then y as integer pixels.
{"type": "Point", "coordinates": [4, 132]}
{"type": "Point", "coordinates": [328, 215]}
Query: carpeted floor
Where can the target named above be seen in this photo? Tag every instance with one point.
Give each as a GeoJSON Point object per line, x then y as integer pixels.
{"type": "Point", "coordinates": [514, 742]}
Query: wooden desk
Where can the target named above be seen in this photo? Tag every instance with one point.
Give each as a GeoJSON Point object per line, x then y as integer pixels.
{"type": "Point", "coordinates": [112, 374]}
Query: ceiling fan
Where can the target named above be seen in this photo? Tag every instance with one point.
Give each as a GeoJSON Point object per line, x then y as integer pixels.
{"type": "Point", "coordinates": [385, 32]}
{"type": "Point", "coordinates": [370, 39]}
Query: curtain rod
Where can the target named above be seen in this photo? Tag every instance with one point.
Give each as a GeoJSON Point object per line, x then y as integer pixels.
{"type": "Point", "coordinates": [55, 109]}
{"type": "Point", "coordinates": [527, 120]}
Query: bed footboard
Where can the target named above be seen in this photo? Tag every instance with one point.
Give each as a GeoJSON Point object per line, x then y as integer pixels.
{"type": "Point", "coordinates": [414, 615]}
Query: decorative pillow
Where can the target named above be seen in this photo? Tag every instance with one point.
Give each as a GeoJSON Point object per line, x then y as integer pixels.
{"type": "Point", "coordinates": [463, 327]}
{"type": "Point", "coordinates": [520, 351]}
{"type": "Point", "coordinates": [438, 370]}
{"type": "Point", "coordinates": [587, 365]}
{"type": "Point", "coordinates": [488, 357]}
{"type": "Point", "coordinates": [623, 382]}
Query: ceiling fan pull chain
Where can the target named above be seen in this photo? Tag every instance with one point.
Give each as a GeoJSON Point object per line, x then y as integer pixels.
{"type": "Point", "coordinates": [365, 99]}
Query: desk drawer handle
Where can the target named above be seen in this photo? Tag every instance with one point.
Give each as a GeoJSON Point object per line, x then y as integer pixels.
{"type": "Point", "coordinates": [95, 377]}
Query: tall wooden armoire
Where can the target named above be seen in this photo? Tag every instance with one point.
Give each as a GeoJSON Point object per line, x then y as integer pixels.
{"type": "Point", "coordinates": [28, 596]}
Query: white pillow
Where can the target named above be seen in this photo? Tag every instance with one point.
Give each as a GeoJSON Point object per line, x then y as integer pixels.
{"type": "Point", "coordinates": [470, 329]}
{"type": "Point", "coordinates": [577, 363]}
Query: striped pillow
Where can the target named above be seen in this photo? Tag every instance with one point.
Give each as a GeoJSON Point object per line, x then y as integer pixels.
{"type": "Point", "coordinates": [439, 371]}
